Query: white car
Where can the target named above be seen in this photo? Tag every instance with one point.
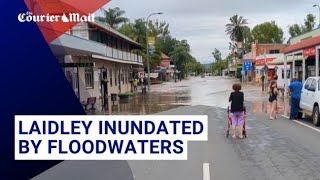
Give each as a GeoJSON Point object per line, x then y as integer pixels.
{"type": "Point", "coordinates": [310, 99]}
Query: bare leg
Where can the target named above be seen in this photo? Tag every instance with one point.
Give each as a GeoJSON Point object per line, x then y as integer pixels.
{"type": "Point", "coordinates": [274, 104]}
{"type": "Point", "coordinates": [234, 131]}
{"type": "Point", "coordinates": [271, 110]}
{"type": "Point", "coordinates": [241, 131]}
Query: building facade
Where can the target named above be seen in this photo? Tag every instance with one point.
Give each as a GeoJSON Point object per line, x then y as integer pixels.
{"type": "Point", "coordinates": [262, 56]}
{"type": "Point", "coordinates": [98, 61]}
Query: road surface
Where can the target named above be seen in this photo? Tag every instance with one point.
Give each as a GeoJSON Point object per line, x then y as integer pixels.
{"type": "Point", "coordinates": [275, 150]}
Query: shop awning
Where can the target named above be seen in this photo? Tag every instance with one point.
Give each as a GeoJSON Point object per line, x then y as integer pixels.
{"type": "Point", "coordinates": [303, 45]}
{"type": "Point", "coordinates": [280, 60]}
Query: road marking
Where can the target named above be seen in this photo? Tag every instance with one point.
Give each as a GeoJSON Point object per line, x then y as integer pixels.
{"type": "Point", "coordinates": [303, 124]}
{"type": "Point", "coordinates": [206, 171]}
{"type": "Point", "coordinates": [285, 116]}
{"type": "Point", "coordinates": [306, 125]}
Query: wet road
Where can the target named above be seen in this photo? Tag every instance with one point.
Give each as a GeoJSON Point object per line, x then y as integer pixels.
{"type": "Point", "coordinates": [274, 150]}
{"type": "Point", "coordinates": [209, 91]}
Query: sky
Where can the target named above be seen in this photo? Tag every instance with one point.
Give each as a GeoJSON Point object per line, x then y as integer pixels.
{"type": "Point", "coordinates": [202, 23]}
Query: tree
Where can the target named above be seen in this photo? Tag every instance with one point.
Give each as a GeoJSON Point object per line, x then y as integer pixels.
{"type": "Point", "coordinates": [166, 44]}
{"type": "Point", "coordinates": [158, 29]}
{"type": "Point", "coordinates": [217, 55]}
{"type": "Point", "coordinates": [237, 28]}
{"type": "Point", "coordinates": [309, 25]}
{"type": "Point", "coordinates": [113, 17]}
{"type": "Point", "coordinates": [128, 30]}
{"type": "Point", "coordinates": [180, 55]}
{"type": "Point", "coordinates": [248, 40]}
{"type": "Point", "coordinates": [268, 32]}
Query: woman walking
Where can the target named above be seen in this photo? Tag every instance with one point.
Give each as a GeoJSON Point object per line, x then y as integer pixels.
{"type": "Point", "coordinates": [237, 109]}
{"type": "Point", "coordinates": [273, 94]}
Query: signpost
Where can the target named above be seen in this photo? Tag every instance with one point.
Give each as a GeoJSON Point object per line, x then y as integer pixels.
{"type": "Point", "coordinates": [246, 67]}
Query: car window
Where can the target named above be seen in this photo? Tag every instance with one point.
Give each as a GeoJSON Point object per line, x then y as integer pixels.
{"type": "Point", "coordinates": [313, 85]}
{"type": "Point", "coordinates": [306, 86]}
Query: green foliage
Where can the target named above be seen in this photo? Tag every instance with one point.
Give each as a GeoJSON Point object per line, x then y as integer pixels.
{"type": "Point", "coordinates": [166, 44]}
{"type": "Point", "coordinates": [217, 55]}
{"type": "Point", "coordinates": [179, 51]}
{"type": "Point", "coordinates": [237, 28]}
{"type": "Point", "coordinates": [218, 67]}
{"type": "Point", "coordinates": [113, 17]}
{"type": "Point", "coordinates": [268, 32]}
{"type": "Point", "coordinates": [309, 25]}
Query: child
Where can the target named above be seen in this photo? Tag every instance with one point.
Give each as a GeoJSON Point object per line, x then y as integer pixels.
{"type": "Point", "coordinates": [237, 109]}
{"type": "Point", "coordinates": [273, 91]}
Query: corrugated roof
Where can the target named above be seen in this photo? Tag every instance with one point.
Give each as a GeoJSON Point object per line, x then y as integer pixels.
{"type": "Point", "coordinates": [303, 44]}
{"type": "Point", "coordinates": [164, 56]}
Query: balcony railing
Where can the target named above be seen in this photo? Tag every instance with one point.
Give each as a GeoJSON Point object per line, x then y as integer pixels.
{"type": "Point", "coordinates": [87, 46]}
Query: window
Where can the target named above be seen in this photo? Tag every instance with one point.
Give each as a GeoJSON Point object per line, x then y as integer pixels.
{"type": "Point", "coordinates": [111, 77]}
{"type": "Point", "coordinates": [306, 86]}
{"type": "Point", "coordinates": [89, 77]}
{"type": "Point", "coordinates": [313, 85]}
{"type": "Point", "coordinates": [274, 51]}
{"type": "Point", "coordinates": [319, 85]}
{"type": "Point", "coordinates": [282, 74]}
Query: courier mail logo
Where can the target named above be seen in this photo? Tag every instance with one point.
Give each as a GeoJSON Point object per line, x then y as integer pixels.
{"type": "Point", "coordinates": [65, 18]}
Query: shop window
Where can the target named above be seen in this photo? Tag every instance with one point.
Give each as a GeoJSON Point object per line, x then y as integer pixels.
{"type": "Point", "coordinates": [89, 78]}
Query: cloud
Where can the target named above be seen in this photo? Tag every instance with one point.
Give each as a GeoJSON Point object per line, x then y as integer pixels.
{"type": "Point", "coordinates": [202, 22]}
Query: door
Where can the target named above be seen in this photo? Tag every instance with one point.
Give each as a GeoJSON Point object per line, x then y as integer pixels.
{"type": "Point", "coordinates": [104, 87]}
{"type": "Point", "coordinates": [311, 95]}
{"type": "Point", "coordinates": [305, 94]}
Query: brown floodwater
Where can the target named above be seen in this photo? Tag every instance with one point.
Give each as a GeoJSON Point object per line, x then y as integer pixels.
{"type": "Point", "coordinates": [208, 91]}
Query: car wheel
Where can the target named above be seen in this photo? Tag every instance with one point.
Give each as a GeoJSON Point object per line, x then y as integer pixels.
{"type": "Point", "coordinates": [315, 116]}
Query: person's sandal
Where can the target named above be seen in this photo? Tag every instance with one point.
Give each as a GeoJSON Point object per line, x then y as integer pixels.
{"type": "Point", "coordinates": [241, 137]}
{"type": "Point", "coordinates": [234, 137]}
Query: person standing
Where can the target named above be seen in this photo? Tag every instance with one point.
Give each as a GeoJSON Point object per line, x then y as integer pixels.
{"type": "Point", "coordinates": [135, 85]}
{"type": "Point", "coordinates": [262, 81]}
{"type": "Point", "coordinates": [273, 94]}
{"type": "Point", "coordinates": [295, 89]}
{"type": "Point", "coordinates": [237, 109]}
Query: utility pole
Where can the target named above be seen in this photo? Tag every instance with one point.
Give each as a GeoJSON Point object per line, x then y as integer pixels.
{"type": "Point", "coordinates": [148, 63]}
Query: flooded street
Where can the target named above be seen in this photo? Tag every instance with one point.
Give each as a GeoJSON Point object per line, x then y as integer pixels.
{"type": "Point", "coordinates": [208, 91]}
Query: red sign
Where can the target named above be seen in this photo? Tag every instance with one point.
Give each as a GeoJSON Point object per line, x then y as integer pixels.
{"type": "Point", "coordinates": [262, 62]}
{"type": "Point", "coordinates": [309, 51]}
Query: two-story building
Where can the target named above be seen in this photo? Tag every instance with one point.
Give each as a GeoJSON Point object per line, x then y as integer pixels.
{"type": "Point", "coordinates": [262, 55]}
{"type": "Point", "coordinates": [98, 61]}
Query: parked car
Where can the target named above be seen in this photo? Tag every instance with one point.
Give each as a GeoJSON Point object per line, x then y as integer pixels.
{"type": "Point", "coordinates": [310, 99]}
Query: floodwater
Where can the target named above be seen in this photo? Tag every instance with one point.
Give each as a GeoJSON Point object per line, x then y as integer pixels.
{"type": "Point", "coordinates": [208, 91]}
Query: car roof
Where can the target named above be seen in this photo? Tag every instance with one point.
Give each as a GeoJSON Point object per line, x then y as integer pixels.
{"type": "Point", "coordinates": [314, 77]}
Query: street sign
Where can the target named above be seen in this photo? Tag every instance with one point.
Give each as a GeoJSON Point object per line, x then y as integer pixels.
{"type": "Point", "coordinates": [247, 66]}
{"type": "Point", "coordinates": [141, 74]}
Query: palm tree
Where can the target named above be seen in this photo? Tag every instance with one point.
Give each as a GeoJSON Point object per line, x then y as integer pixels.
{"type": "Point", "coordinates": [180, 55]}
{"type": "Point", "coordinates": [113, 17]}
{"type": "Point", "coordinates": [237, 28]}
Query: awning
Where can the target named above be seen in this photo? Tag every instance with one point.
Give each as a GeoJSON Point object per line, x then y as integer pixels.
{"type": "Point", "coordinates": [311, 42]}
{"type": "Point", "coordinates": [280, 60]}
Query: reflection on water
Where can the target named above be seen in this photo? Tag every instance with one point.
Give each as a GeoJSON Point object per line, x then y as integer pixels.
{"type": "Point", "coordinates": [211, 91]}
